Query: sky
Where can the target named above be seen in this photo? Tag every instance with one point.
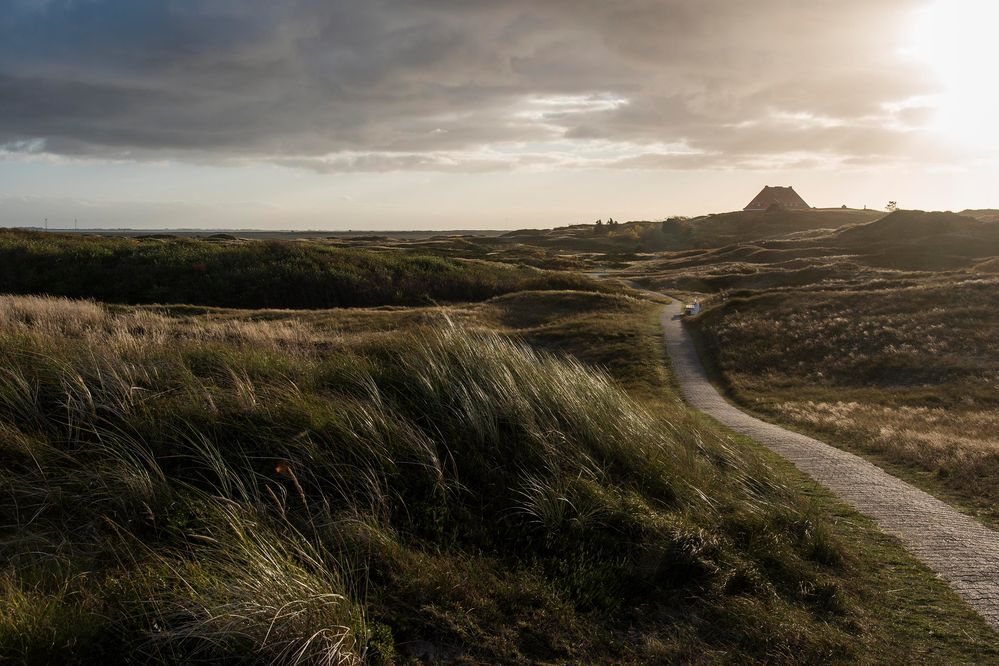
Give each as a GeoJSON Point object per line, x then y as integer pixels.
{"type": "Point", "coordinates": [467, 114]}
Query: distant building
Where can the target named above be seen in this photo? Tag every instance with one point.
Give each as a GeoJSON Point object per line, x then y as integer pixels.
{"type": "Point", "coordinates": [777, 197]}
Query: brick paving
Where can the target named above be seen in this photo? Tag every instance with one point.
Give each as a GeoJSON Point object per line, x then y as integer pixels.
{"type": "Point", "coordinates": [956, 547]}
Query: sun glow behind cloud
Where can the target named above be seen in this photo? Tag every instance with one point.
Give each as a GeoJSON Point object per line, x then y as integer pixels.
{"type": "Point", "coordinates": [956, 41]}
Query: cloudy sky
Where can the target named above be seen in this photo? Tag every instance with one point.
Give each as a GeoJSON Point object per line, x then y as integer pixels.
{"type": "Point", "coordinates": [384, 114]}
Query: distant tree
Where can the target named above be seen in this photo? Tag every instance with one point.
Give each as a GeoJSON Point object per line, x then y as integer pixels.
{"type": "Point", "coordinates": [676, 231]}
{"type": "Point", "coordinates": [892, 206]}
{"type": "Point", "coordinates": [673, 225]}
{"type": "Point", "coordinates": [600, 223]}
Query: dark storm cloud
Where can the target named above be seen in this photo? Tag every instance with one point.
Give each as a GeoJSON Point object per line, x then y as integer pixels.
{"type": "Point", "coordinates": [453, 84]}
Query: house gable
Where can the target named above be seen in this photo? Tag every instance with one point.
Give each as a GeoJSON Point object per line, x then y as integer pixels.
{"type": "Point", "coordinates": [780, 197]}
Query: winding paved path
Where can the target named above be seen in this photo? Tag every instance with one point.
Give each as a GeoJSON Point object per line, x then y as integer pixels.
{"type": "Point", "coordinates": [959, 549]}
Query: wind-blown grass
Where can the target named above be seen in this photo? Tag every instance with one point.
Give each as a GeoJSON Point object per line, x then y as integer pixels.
{"type": "Point", "coordinates": [266, 497]}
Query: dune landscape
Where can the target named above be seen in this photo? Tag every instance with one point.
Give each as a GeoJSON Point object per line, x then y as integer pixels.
{"type": "Point", "coordinates": [499, 332]}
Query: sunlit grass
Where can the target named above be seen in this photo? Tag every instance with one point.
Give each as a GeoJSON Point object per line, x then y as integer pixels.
{"type": "Point", "coordinates": [909, 374]}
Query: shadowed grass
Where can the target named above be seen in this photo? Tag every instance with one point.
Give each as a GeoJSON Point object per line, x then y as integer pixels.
{"type": "Point", "coordinates": [245, 492]}
{"type": "Point", "coordinates": [252, 274]}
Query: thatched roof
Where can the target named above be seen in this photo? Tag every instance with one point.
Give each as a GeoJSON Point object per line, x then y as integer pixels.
{"type": "Point", "coordinates": [782, 197]}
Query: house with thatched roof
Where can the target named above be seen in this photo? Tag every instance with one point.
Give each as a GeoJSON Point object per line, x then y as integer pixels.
{"type": "Point", "coordinates": [777, 197]}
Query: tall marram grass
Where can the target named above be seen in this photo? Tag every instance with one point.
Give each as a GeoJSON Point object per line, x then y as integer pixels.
{"type": "Point", "coordinates": [255, 588]}
{"type": "Point", "coordinates": [263, 496]}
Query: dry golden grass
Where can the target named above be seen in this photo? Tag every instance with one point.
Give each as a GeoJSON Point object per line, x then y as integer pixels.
{"type": "Point", "coordinates": [960, 446]}
{"type": "Point", "coordinates": [909, 374]}
{"type": "Point", "coordinates": [122, 328]}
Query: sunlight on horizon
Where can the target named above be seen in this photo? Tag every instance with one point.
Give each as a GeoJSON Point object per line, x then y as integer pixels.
{"type": "Point", "coordinates": [955, 38]}
{"type": "Point", "coordinates": [489, 114]}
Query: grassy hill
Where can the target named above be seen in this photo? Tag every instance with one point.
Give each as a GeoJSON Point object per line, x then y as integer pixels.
{"type": "Point", "coordinates": [897, 249]}
{"type": "Point", "coordinates": [251, 274]}
{"type": "Point", "coordinates": [680, 233]}
{"type": "Point", "coordinates": [917, 240]}
{"type": "Point", "coordinates": [191, 484]}
{"type": "Point", "coordinates": [983, 214]}
{"type": "Point", "coordinates": [741, 226]}
{"type": "Point", "coordinates": [786, 239]}
{"type": "Point", "coordinates": [914, 225]}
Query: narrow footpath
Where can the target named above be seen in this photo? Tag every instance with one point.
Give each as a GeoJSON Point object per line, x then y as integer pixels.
{"type": "Point", "coordinates": [959, 549]}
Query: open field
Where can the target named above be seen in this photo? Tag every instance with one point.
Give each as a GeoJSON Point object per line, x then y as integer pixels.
{"type": "Point", "coordinates": [194, 482]}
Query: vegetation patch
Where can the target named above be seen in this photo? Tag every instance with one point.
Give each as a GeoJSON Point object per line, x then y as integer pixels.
{"type": "Point", "coordinates": [908, 374]}
{"type": "Point", "coordinates": [253, 274]}
{"type": "Point", "coordinates": [201, 487]}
